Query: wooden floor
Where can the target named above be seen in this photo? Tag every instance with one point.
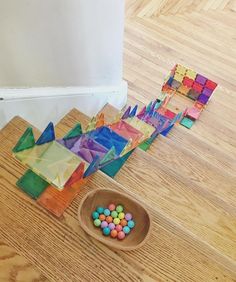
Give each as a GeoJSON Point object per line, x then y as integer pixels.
{"type": "Point", "coordinates": [187, 181]}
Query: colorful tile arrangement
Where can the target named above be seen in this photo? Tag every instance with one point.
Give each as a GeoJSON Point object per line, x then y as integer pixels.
{"type": "Point", "coordinates": [195, 86]}
{"type": "Point", "coordinates": [58, 168]}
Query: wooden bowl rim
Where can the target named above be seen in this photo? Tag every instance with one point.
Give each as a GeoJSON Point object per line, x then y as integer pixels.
{"type": "Point", "coordinates": [102, 239]}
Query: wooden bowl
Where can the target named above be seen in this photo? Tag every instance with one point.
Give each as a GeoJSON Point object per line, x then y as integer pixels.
{"type": "Point", "coordinates": [103, 197]}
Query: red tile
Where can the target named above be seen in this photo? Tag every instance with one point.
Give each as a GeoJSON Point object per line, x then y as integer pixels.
{"type": "Point", "coordinates": [187, 82]}
{"type": "Point", "coordinates": [211, 84]}
{"type": "Point", "coordinates": [197, 87]}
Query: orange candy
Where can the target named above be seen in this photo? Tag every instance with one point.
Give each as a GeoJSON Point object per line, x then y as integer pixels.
{"type": "Point", "coordinates": [123, 222]}
{"type": "Point", "coordinates": [102, 217]}
{"type": "Point", "coordinates": [114, 233]}
{"type": "Point", "coordinates": [109, 219]}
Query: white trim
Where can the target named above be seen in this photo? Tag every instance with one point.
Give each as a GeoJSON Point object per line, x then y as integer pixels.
{"type": "Point", "coordinates": [38, 105]}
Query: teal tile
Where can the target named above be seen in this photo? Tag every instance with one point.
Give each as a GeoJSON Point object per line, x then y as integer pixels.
{"type": "Point", "coordinates": [187, 122]}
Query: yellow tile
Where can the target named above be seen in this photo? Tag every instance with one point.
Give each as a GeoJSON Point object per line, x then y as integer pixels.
{"type": "Point", "coordinates": [181, 69]}
{"type": "Point", "coordinates": [178, 77]}
{"type": "Point", "coordinates": [191, 74]}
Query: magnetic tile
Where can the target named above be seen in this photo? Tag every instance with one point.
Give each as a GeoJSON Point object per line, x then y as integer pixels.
{"type": "Point", "coordinates": [114, 167]}
{"type": "Point", "coordinates": [197, 87]}
{"type": "Point", "coordinates": [193, 113]}
{"type": "Point", "coordinates": [51, 161]}
{"type": "Point", "coordinates": [203, 99]}
{"type": "Point", "coordinates": [26, 141]}
{"type": "Point", "coordinates": [47, 136]}
{"type": "Point", "coordinates": [193, 95]}
{"type": "Point", "coordinates": [180, 69]}
{"type": "Point", "coordinates": [32, 184]}
{"type": "Point", "coordinates": [84, 147]}
{"type": "Point", "coordinates": [142, 126]}
{"type": "Point", "coordinates": [108, 138]}
{"type": "Point", "coordinates": [57, 201]}
{"type": "Point", "coordinates": [175, 84]}
{"type": "Point", "coordinates": [183, 90]}
{"type": "Point", "coordinates": [128, 132]}
{"type": "Point", "coordinates": [170, 80]}
{"type": "Point", "coordinates": [169, 114]}
{"type": "Point", "coordinates": [199, 105]}
{"type": "Point", "coordinates": [211, 84]}
{"type": "Point", "coordinates": [207, 92]}
{"type": "Point", "coordinates": [74, 132]}
{"type": "Point", "coordinates": [191, 74]}
{"type": "Point", "coordinates": [201, 79]}
{"type": "Point", "coordinates": [188, 82]}
{"type": "Point", "coordinates": [187, 122]}
{"type": "Point", "coordinates": [178, 77]}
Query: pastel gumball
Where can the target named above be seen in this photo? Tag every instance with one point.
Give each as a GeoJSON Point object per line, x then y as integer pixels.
{"type": "Point", "coordinates": [111, 226]}
{"type": "Point", "coordinates": [114, 214]}
{"type": "Point", "coordinates": [109, 219]}
{"type": "Point", "coordinates": [121, 215]}
{"type": "Point", "coordinates": [107, 212]}
{"type": "Point", "coordinates": [121, 235]}
{"type": "Point", "coordinates": [104, 224]}
{"type": "Point", "coordinates": [106, 231]}
{"type": "Point", "coordinates": [119, 208]}
{"type": "Point", "coordinates": [97, 222]}
{"type": "Point", "coordinates": [102, 217]}
{"type": "Point", "coordinates": [123, 222]}
{"type": "Point", "coordinates": [114, 233]}
{"type": "Point", "coordinates": [100, 210]}
{"type": "Point", "coordinates": [119, 228]}
{"type": "Point", "coordinates": [128, 216]}
{"type": "Point", "coordinates": [126, 229]}
{"type": "Point", "coordinates": [131, 224]}
{"type": "Point", "coordinates": [95, 215]}
{"type": "Point", "coordinates": [116, 221]}
{"type": "Point", "coordinates": [111, 207]}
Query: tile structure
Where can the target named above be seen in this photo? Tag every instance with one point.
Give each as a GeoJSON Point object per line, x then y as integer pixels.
{"type": "Point", "coordinates": [58, 168]}
{"type": "Point", "coordinates": [195, 86]}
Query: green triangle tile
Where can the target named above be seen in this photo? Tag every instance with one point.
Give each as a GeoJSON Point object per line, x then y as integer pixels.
{"type": "Point", "coordinates": [110, 155]}
{"type": "Point", "coordinates": [75, 131]}
{"type": "Point", "coordinates": [26, 141]}
{"type": "Point", "coordinates": [32, 184]}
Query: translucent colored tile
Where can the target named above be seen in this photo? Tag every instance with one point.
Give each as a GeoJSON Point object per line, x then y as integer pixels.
{"type": "Point", "coordinates": [183, 90]}
{"type": "Point", "coordinates": [207, 92]}
{"type": "Point", "coordinates": [181, 70]}
{"type": "Point", "coordinates": [48, 135]}
{"type": "Point", "coordinates": [193, 94]}
{"type": "Point", "coordinates": [114, 167]}
{"type": "Point", "coordinates": [211, 84]}
{"type": "Point", "coordinates": [178, 77]}
{"type": "Point", "coordinates": [141, 126]}
{"type": "Point", "coordinates": [175, 84]}
{"type": "Point", "coordinates": [84, 147]}
{"type": "Point", "coordinates": [51, 161]}
{"type": "Point", "coordinates": [201, 79]}
{"type": "Point", "coordinates": [57, 201]}
{"type": "Point", "coordinates": [203, 99]}
{"type": "Point", "coordinates": [128, 132]}
{"type": "Point", "coordinates": [191, 74]}
{"type": "Point", "coordinates": [74, 132]}
{"type": "Point", "coordinates": [32, 184]}
{"type": "Point", "coordinates": [193, 113]}
{"type": "Point", "coordinates": [187, 122]}
{"type": "Point", "coordinates": [26, 141]}
{"type": "Point", "coordinates": [108, 138]}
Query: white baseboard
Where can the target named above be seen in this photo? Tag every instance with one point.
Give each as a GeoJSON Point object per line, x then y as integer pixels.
{"type": "Point", "coordinates": [41, 105]}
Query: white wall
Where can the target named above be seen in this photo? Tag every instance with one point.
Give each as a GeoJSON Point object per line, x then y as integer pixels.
{"type": "Point", "coordinates": [46, 44]}
{"type": "Point", "coordinates": [61, 42]}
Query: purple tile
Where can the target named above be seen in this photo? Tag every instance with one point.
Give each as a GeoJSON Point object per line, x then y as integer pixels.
{"type": "Point", "coordinates": [207, 92]}
{"type": "Point", "coordinates": [201, 79]}
{"type": "Point", "coordinates": [203, 99]}
{"type": "Point", "coordinates": [88, 149]}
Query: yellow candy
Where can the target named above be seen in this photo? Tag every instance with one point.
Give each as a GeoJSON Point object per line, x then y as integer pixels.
{"type": "Point", "coordinates": [121, 215]}
{"type": "Point", "coordinates": [116, 220]}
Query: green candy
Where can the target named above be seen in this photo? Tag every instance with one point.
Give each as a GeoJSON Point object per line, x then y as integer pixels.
{"type": "Point", "coordinates": [114, 214]}
{"type": "Point", "coordinates": [119, 208]}
{"type": "Point", "coordinates": [97, 222]}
